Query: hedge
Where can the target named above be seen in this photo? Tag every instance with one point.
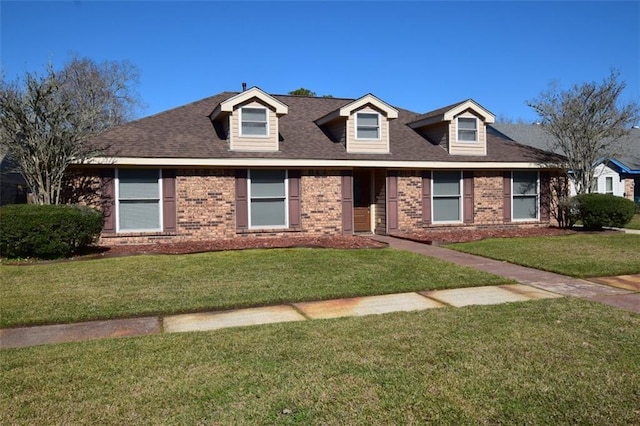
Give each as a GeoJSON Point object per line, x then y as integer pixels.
{"type": "Point", "coordinates": [47, 231]}
{"type": "Point", "coordinates": [599, 210]}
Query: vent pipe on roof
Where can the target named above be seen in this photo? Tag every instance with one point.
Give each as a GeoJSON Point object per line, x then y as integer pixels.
{"type": "Point", "coordinates": [244, 86]}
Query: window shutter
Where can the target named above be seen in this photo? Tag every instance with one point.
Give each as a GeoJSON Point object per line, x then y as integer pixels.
{"type": "Point", "coordinates": [506, 196]}
{"type": "Point", "coordinates": [107, 200]}
{"type": "Point", "coordinates": [545, 196]}
{"type": "Point", "coordinates": [294, 199]}
{"type": "Point", "coordinates": [426, 197]}
{"type": "Point", "coordinates": [242, 208]}
{"type": "Point", "coordinates": [468, 207]}
{"type": "Point", "coordinates": [392, 202]}
{"type": "Point", "coordinates": [169, 211]}
{"type": "Point", "coordinates": [347, 203]}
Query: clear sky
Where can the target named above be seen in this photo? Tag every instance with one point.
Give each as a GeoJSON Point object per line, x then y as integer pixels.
{"type": "Point", "coordinates": [414, 55]}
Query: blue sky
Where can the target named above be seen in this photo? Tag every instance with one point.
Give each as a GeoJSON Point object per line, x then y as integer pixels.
{"type": "Point", "coordinates": [414, 55]}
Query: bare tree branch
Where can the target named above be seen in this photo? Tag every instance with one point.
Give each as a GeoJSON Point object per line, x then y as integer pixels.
{"type": "Point", "coordinates": [586, 123]}
{"type": "Point", "coordinates": [45, 121]}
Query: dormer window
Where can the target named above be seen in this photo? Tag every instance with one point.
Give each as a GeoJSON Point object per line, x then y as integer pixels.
{"type": "Point", "coordinates": [367, 125]}
{"type": "Point", "coordinates": [467, 129]}
{"type": "Point", "coordinates": [253, 122]}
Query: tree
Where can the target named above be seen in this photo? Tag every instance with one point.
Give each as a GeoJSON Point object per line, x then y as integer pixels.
{"type": "Point", "coordinates": [302, 92]}
{"type": "Point", "coordinates": [45, 121]}
{"type": "Point", "coordinates": [586, 123]}
{"type": "Point", "coordinates": [306, 92]}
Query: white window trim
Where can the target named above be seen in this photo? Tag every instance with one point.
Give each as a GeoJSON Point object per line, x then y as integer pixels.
{"type": "Point", "coordinates": [613, 189]}
{"type": "Point", "coordinates": [160, 206]}
{"type": "Point", "coordinates": [477, 139]}
{"type": "Point", "coordinates": [286, 203]}
{"type": "Point", "coordinates": [266, 111]}
{"type": "Point", "coordinates": [513, 195]}
{"type": "Point", "coordinates": [379, 126]}
{"type": "Point", "coordinates": [460, 201]}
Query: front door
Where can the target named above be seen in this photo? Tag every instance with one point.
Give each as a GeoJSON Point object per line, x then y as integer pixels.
{"type": "Point", "coordinates": [361, 201]}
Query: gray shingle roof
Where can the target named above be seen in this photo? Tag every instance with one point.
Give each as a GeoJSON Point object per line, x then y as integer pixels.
{"type": "Point", "coordinates": [535, 136]}
{"type": "Point", "coordinates": [187, 132]}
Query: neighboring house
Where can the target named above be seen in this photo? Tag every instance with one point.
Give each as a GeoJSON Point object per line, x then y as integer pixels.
{"type": "Point", "coordinates": [618, 176]}
{"type": "Point", "coordinates": [13, 188]}
{"type": "Point", "coordinates": [251, 164]}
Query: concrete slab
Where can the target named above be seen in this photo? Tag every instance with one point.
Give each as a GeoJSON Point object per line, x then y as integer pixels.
{"type": "Point", "coordinates": [530, 292]}
{"type": "Point", "coordinates": [360, 306]}
{"type": "Point", "coordinates": [627, 282]}
{"type": "Point", "coordinates": [239, 318]}
{"type": "Point", "coordinates": [61, 333]}
{"type": "Point", "coordinates": [490, 295]}
{"type": "Point", "coordinates": [628, 302]}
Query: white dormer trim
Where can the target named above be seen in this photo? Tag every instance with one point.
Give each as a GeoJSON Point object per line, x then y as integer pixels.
{"type": "Point", "coordinates": [346, 111]}
{"type": "Point", "coordinates": [484, 114]}
{"type": "Point", "coordinates": [450, 114]}
{"type": "Point", "coordinates": [232, 103]}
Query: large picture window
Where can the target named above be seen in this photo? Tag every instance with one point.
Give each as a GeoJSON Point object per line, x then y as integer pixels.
{"type": "Point", "coordinates": [446, 198]}
{"type": "Point", "coordinates": [367, 125]}
{"type": "Point", "coordinates": [138, 199]}
{"type": "Point", "coordinates": [253, 122]}
{"type": "Point", "coordinates": [268, 198]}
{"type": "Point", "coordinates": [467, 129]}
{"type": "Point", "coordinates": [525, 195]}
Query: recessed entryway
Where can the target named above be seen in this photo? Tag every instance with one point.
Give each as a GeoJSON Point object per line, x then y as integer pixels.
{"type": "Point", "coordinates": [362, 201]}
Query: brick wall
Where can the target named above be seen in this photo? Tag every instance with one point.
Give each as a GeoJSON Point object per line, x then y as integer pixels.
{"type": "Point", "coordinates": [487, 198]}
{"type": "Point", "coordinates": [629, 188]}
{"type": "Point", "coordinates": [321, 202]}
{"type": "Point", "coordinates": [205, 200]}
{"type": "Point", "coordinates": [409, 200]}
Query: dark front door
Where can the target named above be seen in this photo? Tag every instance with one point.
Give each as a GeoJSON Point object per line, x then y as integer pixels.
{"type": "Point", "coordinates": [361, 201]}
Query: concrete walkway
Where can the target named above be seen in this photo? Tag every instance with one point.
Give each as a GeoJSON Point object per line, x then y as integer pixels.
{"type": "Point", "coordinates": [533, 285]}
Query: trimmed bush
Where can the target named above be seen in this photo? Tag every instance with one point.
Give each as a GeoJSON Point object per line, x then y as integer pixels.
{"type": "Point", "coordinates": [47, 232]}
{"type": "Point", "coordinates": [599, 210]}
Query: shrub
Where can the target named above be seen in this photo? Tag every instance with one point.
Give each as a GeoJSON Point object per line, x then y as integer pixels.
{"type": "Point", "coordinates": [47, 232]}
{"type": "Point", "coordinates": [599, 210]}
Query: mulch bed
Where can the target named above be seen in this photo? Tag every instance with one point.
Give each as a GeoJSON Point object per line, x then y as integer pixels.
{"type": "Point", "coordinates": [337, 242]}
{"type": "Point", "coordinates": [467, 235]}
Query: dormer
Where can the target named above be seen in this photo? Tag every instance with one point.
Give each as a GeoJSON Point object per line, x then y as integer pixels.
{"type": "Point", "coordinates": [362, 125]}
{"type": "Point", "coordinates": [460, 128]}
{"type": "Point", "coordinates": [249, 120]}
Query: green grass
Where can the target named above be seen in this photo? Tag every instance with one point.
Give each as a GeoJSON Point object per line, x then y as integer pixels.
{"type": "Point", "coordinates": [560, 361]}
{"type": "Point", "coordinates": [580, 255]}
{"type": "Point", "coordinates": [635, 222]}
{"type": "Point", "coordinates": [146, 285]}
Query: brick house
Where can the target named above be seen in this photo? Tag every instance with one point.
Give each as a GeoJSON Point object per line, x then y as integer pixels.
{"type": "Point", "coordinates": [250, 164]}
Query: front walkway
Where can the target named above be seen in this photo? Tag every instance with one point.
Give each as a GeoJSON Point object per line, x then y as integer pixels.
{"type": "Point", "coordinates": [533, 285]}
{"type": "Point", "coordinates": [624, 298]}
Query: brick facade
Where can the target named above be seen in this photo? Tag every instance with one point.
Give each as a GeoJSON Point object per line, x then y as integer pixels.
{"type": "Point", "coordinates": [409, 200]}
{"type": "Point", "coordinates": [629, 188]}
{"type": "Point", "coordinates": [487, 198]}
{"type": "Point", "coordinates": [206, 206]}
{"type": "Point", "coordinates": [206, 209]}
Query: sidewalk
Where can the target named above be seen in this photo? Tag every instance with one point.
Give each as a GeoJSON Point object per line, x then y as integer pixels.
{"type": "Point", "coordinates": [533, 285]}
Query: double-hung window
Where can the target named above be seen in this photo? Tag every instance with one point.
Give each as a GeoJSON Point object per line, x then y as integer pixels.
{"type": "Point", "coordinates": [254, 122]}
{"type": "Point", "coordinates": [268, 199]}
{"type": "Point", "coordinates": [367, 125]}
{"type": "Point", "coordinates": [525, 195]}
{"type": "Point", "coordinates": [446, 198]}
{"type": "Point", "coordinates": [467, 129]}
{"type": "Point", "coordinates": [608, 188]}
{"type": "Point", "coordinates": [138, 200]}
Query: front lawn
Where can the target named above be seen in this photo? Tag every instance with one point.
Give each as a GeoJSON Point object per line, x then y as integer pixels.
{"type": "Point", "coordinates": [161, 284]}
{"type": "Point", "coordinates": [560, 361]}
{"type": "Point", "coordinates": [578, 255]}
{"type": "Point", "coordinates": [635, 222]}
